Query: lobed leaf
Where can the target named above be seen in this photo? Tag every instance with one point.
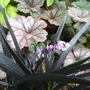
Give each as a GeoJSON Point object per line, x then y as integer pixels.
{"type": "Point", "coordinates": [82, 4]}
{"type": "Point", "coordinates": [29, 5]}
{"type": "Point", "coordinates": [26, 30]}
{"type": "Point", "coordinates": [4, 3]}
{"type": "Point", "coordinates": [60, 4]}
{"type": "Point", "coordinates": [79, 52]}
{"type": "Point", "coordinates": [11, 11]}
{"type": "Point", "coordinates": [54, 16]}
{"type": "Point", "coordinates": [79, 15]}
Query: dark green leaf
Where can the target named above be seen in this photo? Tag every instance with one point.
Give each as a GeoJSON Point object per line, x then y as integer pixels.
{"type": "Point", "coordinates": [51, 77]}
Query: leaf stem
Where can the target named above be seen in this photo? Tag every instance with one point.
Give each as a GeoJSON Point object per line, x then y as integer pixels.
{"type": "Point", "coordinates": [68, 3]}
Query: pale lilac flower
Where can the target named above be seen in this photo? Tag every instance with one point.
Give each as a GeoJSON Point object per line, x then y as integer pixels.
{"type": "Point", "coordinates": [59, 45]}
{"type": "Point", "coordinates": [65, 46]}
{"type": "Point", "coordinates": [49, 48]}
{"type": "Point", "coordinates": [55, 47]}
{"type": "Point", "coordinates": [39, 53]}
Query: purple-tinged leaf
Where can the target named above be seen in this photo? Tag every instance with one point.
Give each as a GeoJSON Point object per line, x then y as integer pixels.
{"type": "Point", "coordinates": [54, 16]}
{"type": "Point", "coordinates": [29, 5]}
{"type": "Point", "coordinates": [26, 30]}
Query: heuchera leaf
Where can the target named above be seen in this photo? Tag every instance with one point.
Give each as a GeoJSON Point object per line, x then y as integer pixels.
{"type": "Point", "coordinates": [23, 8]}
{"type": "Point", "coordinates": [79, 52]}
{"type": "Point", "coordinates": [54, 16]}
{"type": "Point", "coordinates": [26, 30]}
{"type": "Point", "coordinates": [49, 2]}
{"type": "Point", "coordinates": [37, 14]}
{"type": "Point", "coordinates": [82, 4]}
{"type": "Point", "coordinates": [4, 3]}
{"type": "Point", "coordinates": [1, 17]}
{"type": "Point", "coordinates": [11, 10]}
{"type": "Point", "coordinates": [29, 5]}
{"type": "Point", "coordinates": [60, 4]}
{"type": "Point", "coordinates": [77, 26]}
{"type": "Point", "coordinates": [69, 21]}
{"type": "Point", "coordinates": [79, 15]}
{"type": "Point", "coordinates": [82, 39]}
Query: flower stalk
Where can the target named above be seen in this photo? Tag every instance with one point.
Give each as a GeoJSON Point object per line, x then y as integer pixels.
{"type": "Point", "coordinates": [56, 46]}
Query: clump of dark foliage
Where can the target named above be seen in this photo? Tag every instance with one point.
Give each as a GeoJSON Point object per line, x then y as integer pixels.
{"type": "Point", "coordinates": [25, 72]}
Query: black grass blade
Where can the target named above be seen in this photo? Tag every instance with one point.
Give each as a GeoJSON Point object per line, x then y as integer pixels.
{"type": "Point", "coordinates": [72, 43]}
{"type": "Point", "coordinates": [8, 66]}
{"type": "Point", "coordinates": [60, 28]}
{"type": "Point", "coordinates": [5, 84]}
{"type": "Point", "coordinates": [51, 77]}
{"type": "Point", "coordinates": [18, 59]}
{"type": "Point", "coordinates": [5, 49]}
{"type": "Point", "coordinates": [12, 34]}
{"type": "Point", "coordinates": [70, 67]}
